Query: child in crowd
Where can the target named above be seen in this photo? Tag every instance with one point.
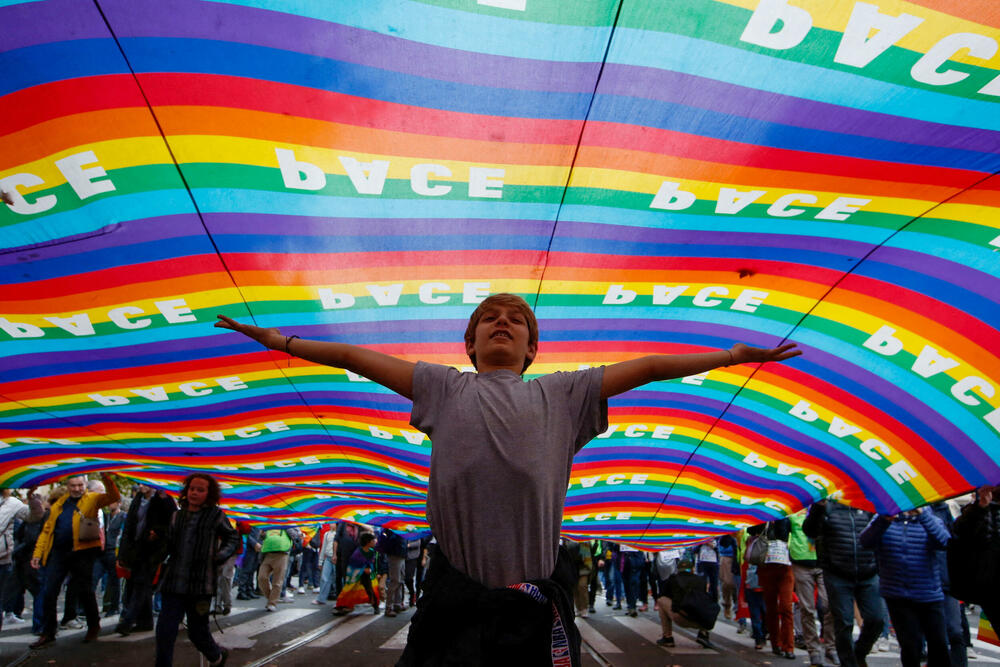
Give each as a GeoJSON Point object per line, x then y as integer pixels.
{"type": "Point", "coordinates": [358, 587]}
{"type": "Point", "coordinates": [502, 450]}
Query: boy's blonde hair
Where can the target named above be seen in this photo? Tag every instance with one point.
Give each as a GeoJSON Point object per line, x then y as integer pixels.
{"type": "Point", "coordinates": [502, 299]}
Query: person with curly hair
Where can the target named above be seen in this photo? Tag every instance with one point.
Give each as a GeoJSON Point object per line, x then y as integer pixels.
{"type": "Point", "coordinates": [200, 539]}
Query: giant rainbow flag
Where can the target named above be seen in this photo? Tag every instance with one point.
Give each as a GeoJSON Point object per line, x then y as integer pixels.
{"type": "Point", "coordinates": [653, 176]}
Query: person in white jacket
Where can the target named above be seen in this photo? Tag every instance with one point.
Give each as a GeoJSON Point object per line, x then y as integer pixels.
{"type": "Point", "coordinates": [327, 564]}
{"type": "Point", "coordinates": [11, 509]}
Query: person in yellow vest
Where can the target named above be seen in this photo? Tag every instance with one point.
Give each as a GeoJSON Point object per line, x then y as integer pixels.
{"type": "Point", "coordinates": [70, 542]}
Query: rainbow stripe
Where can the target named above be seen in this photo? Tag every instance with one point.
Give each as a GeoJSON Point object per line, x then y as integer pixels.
{"type": "Point", "coordinates": [654, 177]}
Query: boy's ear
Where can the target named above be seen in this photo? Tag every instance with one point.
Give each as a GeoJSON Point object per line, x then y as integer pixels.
{"type": "Point", "coordinates": [470, 347]}
{"type": "Point", "coordinates": [532, 351]}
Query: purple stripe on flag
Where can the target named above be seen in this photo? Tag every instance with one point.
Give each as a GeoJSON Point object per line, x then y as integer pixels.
{"type": "Point", "coordinates": [742, 102]}
{"type": "Point", "coordinates": [218, 21]}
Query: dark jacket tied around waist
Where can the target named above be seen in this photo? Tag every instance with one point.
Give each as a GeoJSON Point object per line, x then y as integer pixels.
{"type": "Point", "coordinates": [460, 622]}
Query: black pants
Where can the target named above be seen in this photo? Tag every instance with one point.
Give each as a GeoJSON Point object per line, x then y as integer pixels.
{"type": "Point", "coordinates": [79, 565]}
{"type": "Point", "coordinates": [174, 608]}
{"type": "Point", "coordinates": [139, 598]}
{"type": "Point", "coordinates": [410, 576]}
{"type": "Point", "coordinates": [105, 567]}
{"type": "Point", "coordinates": [246, 580]}
{"type": "Point", "coordinates": [366, 581]}
{"type": "Point", "coordinates": [915, 622]}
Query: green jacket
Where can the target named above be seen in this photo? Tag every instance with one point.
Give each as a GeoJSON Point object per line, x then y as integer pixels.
{"type": "Point", "coordinates": [800, 547]}
{"type": "Point", "coordinates": [276, 540]}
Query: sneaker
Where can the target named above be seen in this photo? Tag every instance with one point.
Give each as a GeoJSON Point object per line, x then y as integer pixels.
{"type": "Point", "coordinates": [609, 602]}
{"type": "Point", "coordinates": [300, 590]}
{"type": "Point", "coordinates": [972, 655]}
{"type": "Point", "coordinates": [882, 645]}
{"type": "Point", "coordinates": [289, 594]}
{"type": "Point", "coordinates": [591, 609]}
{"type": "Point", "coordinates": [271, 607]}
{"type": "Point", "coordinates": [71, 624]}
{"type": "Point", "coordinates": [318, 602]}
{"type": "Point", "coordinates": [11, 617]}
{"type": "Point", "coordinates": [703, 639]}
{"type": "Point", "coordinates": [583, 613]}
{"type": "Point", "coordinates": [644, 607]}
{"type": "Point", "coordinates": [389, 612]}
{"type": "Point", "coordinates": [315, 589]}
{"type": "Point", "coordinates": [618, 606]}
{"type": "Point", "coordinates": [666, 641]}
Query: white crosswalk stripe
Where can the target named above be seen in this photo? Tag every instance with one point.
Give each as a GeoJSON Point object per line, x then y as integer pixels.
{"type": "Point", "coordinates": [140, 636]}
{"type": "Point", "coordinates": [597, 641]}
{"type": "Point", "coordinates": [239, 635]}
{"type": "Point", "coordinates": [651, 631]}
{"type": "Point", "coordinates": [341, 632]}
{"type": "Point", "coordinates": [398, 640]}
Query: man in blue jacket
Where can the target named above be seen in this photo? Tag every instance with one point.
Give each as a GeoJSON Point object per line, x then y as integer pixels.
{"type": "Point", "coordinates": [910, 581]}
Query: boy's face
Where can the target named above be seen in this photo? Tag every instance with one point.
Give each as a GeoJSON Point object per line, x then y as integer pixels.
{"type": "Point", "coordinates": [502, 338]}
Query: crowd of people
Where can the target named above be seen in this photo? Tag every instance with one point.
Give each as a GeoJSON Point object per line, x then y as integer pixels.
{"type": "Point", "coordinates": [805, 581]}
{"type": "Point", "coordinates": [801, 582]}
{"type": "Point", "coordinates": [152, 560]}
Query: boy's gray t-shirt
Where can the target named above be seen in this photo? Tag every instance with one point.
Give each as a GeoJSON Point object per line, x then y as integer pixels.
{"type": "Point", "coordinates": [501, 455]}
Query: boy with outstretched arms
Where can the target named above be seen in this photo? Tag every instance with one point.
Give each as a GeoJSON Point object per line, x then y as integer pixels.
{"type": "Point", "coordinates": [501, 455]}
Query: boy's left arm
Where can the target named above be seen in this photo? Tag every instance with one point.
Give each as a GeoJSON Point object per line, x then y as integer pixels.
{"type": "Point", "coordinates": [626, 375]}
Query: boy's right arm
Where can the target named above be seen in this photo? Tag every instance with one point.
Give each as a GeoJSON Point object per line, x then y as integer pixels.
{"type": "Point", "coordinates": [391, 372]}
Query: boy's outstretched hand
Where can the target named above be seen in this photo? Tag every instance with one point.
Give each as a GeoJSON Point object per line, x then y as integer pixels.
{"type": "Point", "coordinates": [270, 338]}
{"type": "Point", "coordinates": [744, 354]}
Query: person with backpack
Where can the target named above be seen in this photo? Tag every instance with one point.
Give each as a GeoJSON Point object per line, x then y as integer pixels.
{"type": "Point", "coordinates": [68, 545]}
{"type": "Point", "coordinates": [778, 582]}
{"type": "Point", "coordinates": [753, 592]}
{"type": "Point", "coordinates": [691, 604]}
{"type": "Point", "coordinates": [664, 567]}
{"type": "Point", "coordinates": [392, 547]}
{"type": "Point", "coordinates": [274, 561]}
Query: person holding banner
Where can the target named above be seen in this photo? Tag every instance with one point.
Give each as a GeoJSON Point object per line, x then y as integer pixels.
{"type": "Point", "coordinates": [502, 450]}
{"type": "Point", "coordinates": [979, 529]}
